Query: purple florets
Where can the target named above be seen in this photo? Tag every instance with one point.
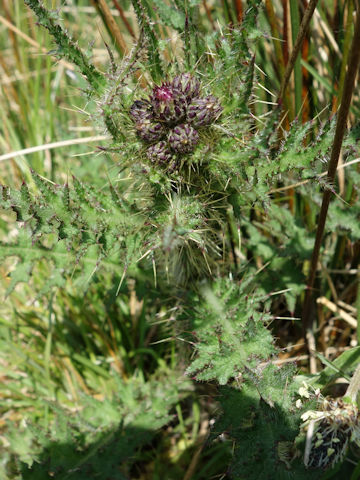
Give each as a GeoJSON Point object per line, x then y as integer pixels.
{"type": "Point", "coordinates": [183, 138]}
{"type": "Point", "coordinates": [169, 119]}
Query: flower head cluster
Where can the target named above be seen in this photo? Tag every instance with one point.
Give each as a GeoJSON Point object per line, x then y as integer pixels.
{"type": "Point", "coordinates": [329, 431]}
{"type": "Point", "coordinates": [170, 119]}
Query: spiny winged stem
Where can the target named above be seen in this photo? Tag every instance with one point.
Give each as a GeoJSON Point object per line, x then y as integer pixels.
{"type": "Point", "coordinates": [146, 23]}
{"type": "Point", "coordinates": [67, 48]}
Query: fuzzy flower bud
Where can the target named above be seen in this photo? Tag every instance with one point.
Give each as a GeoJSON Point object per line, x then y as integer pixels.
{"type": "Point", "coordinates": [169, 105]}
{"type": "Point", "coordinates": [140, 110]}
{"type": "Point", "coordinates": [183, 138]}
{"type": "Point", "coordinates": [329, 432]}
{"type": "Point", "coordinates": [160, 153]}
{"type": "Point", "coordinates": [150, 131]}
{"type": "Point", "coordinates": [203, 111]}
{"type": "Point", "coordinates": [188, 85]}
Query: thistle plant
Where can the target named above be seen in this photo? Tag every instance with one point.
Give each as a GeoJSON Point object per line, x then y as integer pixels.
{"type": "Point", "coordinates": [188, 217]}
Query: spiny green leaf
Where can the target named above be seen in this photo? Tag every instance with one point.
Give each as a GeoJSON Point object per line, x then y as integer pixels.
{"type": "Point", "coordinates": [102, 438]}
{"type": "Point", "coordinates": [263, 420]}
{"type": "Point", "coordinates": [170, 15]}
{"type": "Point", "coordinates": [231, 333]}
{"type": "Point", "coordinates": [76, 230]}
{"type": "Point", "coordinates": [155, 64]}
{"type": "Point", "coordinates": [67, 48]}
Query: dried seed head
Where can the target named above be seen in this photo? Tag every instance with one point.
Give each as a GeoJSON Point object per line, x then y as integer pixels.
{"type": "Point", "coordinates": [183, 138]}
{"type": "Point", "coordinates": [329, 431]}
{"type": "Point", "coordinates": [203, 111]}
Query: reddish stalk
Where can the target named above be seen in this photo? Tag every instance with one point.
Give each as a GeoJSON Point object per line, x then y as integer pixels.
{"type": "Point", "coordinates": [112, 25]}
{"type": "Point", "coordinates": [285, 47]}
{"type": "Point", "coordinates": [124, 19]}
{"type": "Point", "coordinates": [305, 77]}
{"type": "Point", "coordinates": [353, 65]}
{"type": "Point", "coordinates": [298, 43]}
{"type": "Point", "coordinates": [239, 10]}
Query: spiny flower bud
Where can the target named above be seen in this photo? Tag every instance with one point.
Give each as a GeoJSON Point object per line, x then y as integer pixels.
{"type": "Point", "coordinates": [160, 153]}
{"type": "Point", "coordinates": [203, 111]}
{"type": "Point", "coordinates": [150, 131]}
{"type": "Point", "coordinates": [169, 119]}
{"type": "Point", "coordinates": [140, 110]}
{"type": "Point", "coordinates": [169, 105]}
{"type": "Point", "coordinates": [188, 85]}
{"type": "Point", "coordinates": [183, 138]}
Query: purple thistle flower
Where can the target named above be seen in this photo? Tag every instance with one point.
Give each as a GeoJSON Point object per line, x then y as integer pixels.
{"type": "Point", "coordinates": [187, 85]}
{"type": "Point", "coordinates": [140, 110]}
{"type": "Point", "coordinates": [183, 138]}
{"type": "Point", "coordinates": [203, 111]}
{"type": "Point", "coordinates": [150, 131]}
{"type": "Point", "coordinates": [169, 105]}
{"type": "Point", "coordinates": [160, 153]}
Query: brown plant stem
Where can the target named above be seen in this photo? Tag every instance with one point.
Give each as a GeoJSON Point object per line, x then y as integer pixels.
{"type": "Point", "coordinates": [353, 65]}
{"type": "Point", "coordinates": [346, 45]}
{"type": "Point", "coordinates": [208, 14]}
{"type": "Point", "coordinates": [239, 11]}
{"type": "Point", "coordinates": [298, 42]}
{"type": "Point", "coordinates": [124, 19]}
{"type": "Point", "coordinates": [285, 47]}
{"type": "Point", "coordinates": [111, 25]}
{"type": "Point", "coordinates": [270, 12]}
